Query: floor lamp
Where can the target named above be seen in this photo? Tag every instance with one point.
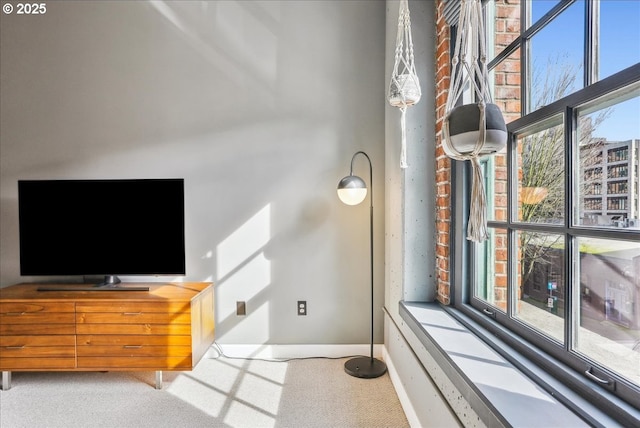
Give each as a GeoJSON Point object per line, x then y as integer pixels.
{"type": "Point", "coordinates": [352, 190]}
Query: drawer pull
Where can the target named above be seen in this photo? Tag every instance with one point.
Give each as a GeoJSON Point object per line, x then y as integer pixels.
{"type": "Point", "coordinates": [132, 346]}
{"type": "Point", "coordinates": [14, 347]}
{"type": "Point", "coordinates": [14, 314]}
{"type": "Point", "coordinates": [131, 313]}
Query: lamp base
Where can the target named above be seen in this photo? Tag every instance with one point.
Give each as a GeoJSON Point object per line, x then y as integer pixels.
{"type": "Point", "coordinates": [365, 367]}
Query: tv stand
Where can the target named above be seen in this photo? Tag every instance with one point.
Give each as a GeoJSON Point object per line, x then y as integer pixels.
{"type": "Point", "coordinates": [170, 327]}
{"type": "Point", "coordinates": [91, 288]}
{"type": "Point", "coordinates": [85, 287]}
{"type": "Point", "coordinates": [109, 281]}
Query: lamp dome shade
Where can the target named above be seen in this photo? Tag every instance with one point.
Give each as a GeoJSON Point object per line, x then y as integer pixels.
{"type": "Point", "coordinates": [464, 129]}
{"type": "Point", "coordinates": [352, 190]}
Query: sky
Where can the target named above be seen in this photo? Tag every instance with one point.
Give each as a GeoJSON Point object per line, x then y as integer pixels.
{"type": "Point", "coordinates": [620, 48]}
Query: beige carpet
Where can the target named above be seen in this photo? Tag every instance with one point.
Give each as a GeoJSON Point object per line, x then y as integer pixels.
{"type": "Point", "coordinates": [219, 392]}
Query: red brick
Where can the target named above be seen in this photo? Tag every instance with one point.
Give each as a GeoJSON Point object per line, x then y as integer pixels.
{"type": "Point", "coordinates": [500, 281]}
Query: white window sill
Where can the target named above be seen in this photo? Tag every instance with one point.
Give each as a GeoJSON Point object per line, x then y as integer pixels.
{"type": "Point", "coordinates": [496, 388]}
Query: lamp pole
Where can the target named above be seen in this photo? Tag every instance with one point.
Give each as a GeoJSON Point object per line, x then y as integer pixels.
{"type": "Point", "coordinates": [362, 367]}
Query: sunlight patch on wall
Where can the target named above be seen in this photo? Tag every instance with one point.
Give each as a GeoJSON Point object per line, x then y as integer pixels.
{"type": "Point", "coordinates": [255, 325]}
{"type": "Point", "coordinates": [171, 16]}
{"type": "Point", "coordinates": [242, 24]}
{"type": "Point", "coordinates": [252, 275]}
{"type": "Point", "coordinates": [243, 274]}
{"type": "Point", "coordinates": [220, 27]}
{"type": "Point", "coordinates": [244, 242]}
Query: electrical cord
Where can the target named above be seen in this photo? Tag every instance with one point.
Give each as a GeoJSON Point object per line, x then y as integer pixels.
{"type": "Point", "coordinates": [221, 353]}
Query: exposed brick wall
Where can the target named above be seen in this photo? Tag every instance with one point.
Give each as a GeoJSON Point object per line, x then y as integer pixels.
{"type": "Point", "coordinates": [507, 74]}
{"type": "Point", "coordinates": [507, 97]}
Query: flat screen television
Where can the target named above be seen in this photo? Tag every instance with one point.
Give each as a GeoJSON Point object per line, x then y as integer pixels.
{"type": "Point", "coordinates": [101, 227]}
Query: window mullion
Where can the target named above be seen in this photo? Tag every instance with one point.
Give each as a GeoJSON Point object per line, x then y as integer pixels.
{"type": "Point", "coordinates": [591, 42]}
{"type": "Point", "coordinates": [570, 156]}
{"type": "Point", "coordinates": [570, 200]}
{"type": "Point", "coordinates": [512, 248]}
{"type": "Point", "coordinates": [572, 293]}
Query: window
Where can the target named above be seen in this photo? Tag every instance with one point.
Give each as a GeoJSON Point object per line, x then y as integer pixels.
{"type": "Point", "coordinates": [561, 266]}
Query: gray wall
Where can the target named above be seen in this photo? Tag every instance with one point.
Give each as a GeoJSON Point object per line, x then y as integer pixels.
{"type": "Point", "coordinates": [257, 105]}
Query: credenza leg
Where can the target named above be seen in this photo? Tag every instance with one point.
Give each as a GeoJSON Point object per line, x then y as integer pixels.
{"type": "Point", "coordinates": [6, 380]}
{"type": "Point", "coordinates": [158, 379]}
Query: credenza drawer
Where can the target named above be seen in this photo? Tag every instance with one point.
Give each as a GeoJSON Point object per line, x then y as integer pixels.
{"type": "Point", "coordinates": [28, 329]}
{"type": "Point", "coordinates": [137, 317]}
{"type": "Point", "coordinates": [132, 307]}
{"type": "Point", "coordinates": [132, 363]}
{"type": "Point", "coordinates": [33, 318]}
{"type": "Point", "coordinates": [132, 339]}
{"type": "Point", "coordinates": [25, 347]}
{"type": "Point", "coordinates": [38, 363]}
{"type": "Point", "coordinates": [38, 318]}
{"type": "Point", "coordinates": [29, 341]}
{"type": "Point", "coordinates": [151, 329]}
{"type": "Point", "coordinates": [134, 351]}
{"type": "Point", "coordinates": [38, 351]}
{"type": "Point", "coordinates": [20, 308]}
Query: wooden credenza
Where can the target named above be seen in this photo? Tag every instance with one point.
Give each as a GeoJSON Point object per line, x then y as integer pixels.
{"type": "Point", "coordinates": [169, 327]}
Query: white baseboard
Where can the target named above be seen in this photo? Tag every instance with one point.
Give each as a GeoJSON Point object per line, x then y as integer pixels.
{"type": "Point", "coordinates": [409, 412]}
{"type": "Point", "coordinates": [294, 351]}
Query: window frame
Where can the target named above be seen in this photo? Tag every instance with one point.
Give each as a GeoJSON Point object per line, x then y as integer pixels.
{"type": "Point", "coordinates": [559, 359]}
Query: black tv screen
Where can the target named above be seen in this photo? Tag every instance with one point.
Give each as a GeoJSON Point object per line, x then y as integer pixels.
{"type": "Point", "coordinates": [101, 227]}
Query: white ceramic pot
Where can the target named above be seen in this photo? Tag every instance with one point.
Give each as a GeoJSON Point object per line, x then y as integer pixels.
{"type": "Point", "coordinates": [404, 91]}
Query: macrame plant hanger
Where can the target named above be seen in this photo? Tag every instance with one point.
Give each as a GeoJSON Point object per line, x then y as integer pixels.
{"type": "Point", "coordinates": [404, 87]}
{"type": "Point", "coordinates": [471, 131]}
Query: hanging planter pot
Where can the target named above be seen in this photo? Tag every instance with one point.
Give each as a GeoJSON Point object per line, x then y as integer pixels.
{"type": "Point", "coordinates": [471, 131]}
{"type": "Point", "coordinates": [467, 122]}
{"type": "Point", "coordinates": [404, 87]}
{"type": "Point", "coordinates": [404, 90]}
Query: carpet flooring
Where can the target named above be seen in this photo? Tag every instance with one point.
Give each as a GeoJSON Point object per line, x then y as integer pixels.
{"type": "Point", "coordinates": [219, 392]}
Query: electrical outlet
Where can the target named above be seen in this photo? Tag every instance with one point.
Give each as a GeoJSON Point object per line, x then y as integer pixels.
{"type": "Point", "coordinates": [241, 308]}
{"type": "Point", "coordinates": [302, 307]}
